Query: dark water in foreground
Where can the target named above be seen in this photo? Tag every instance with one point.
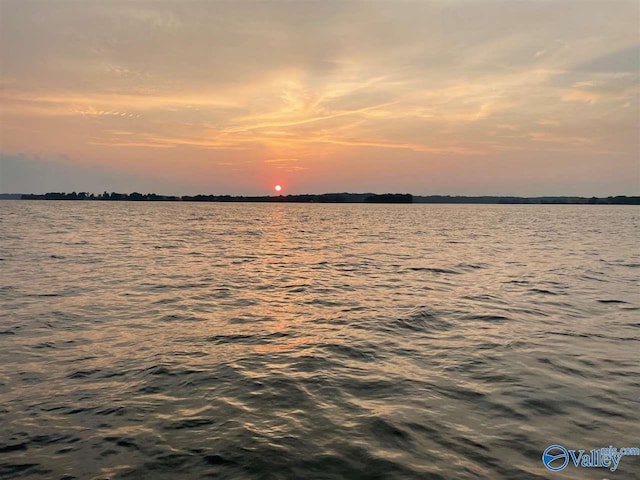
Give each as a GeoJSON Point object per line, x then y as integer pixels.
{"type": "Point", "coordinates": [266, 341]}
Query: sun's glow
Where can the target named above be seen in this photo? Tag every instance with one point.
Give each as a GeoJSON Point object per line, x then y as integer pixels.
{"type": "Point", "coordinates": [372, 114]}
{"type": "Point", "coordinates": [278, 188]}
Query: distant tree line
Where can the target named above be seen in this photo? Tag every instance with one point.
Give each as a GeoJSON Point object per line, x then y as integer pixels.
{"type": "Point", "coordinates": [135, 196]}
{"type": "Point", "coordinates": [390, 198]}
{"type": "Point", "coordinates": [334, 198]}
{"type": "Point", "coordinates": [132, 197]}
{"type": "Point", "coordinates": [617, 200]}
{"type": "Point", "coordinates": [323, 198]}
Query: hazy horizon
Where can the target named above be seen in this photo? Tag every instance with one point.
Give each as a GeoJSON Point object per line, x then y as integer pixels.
{"type": "Point", "coordinates": [453, 98]}
{"type": "Point", "coordinates": [282, 193]}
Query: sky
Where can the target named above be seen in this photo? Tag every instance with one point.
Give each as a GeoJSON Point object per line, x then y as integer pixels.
{"type": "Point", "coordinates": [443, 97]}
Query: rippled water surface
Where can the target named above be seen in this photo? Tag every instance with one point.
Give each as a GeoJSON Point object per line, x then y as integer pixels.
{"type": "Point", "coordinates": [272, 341]}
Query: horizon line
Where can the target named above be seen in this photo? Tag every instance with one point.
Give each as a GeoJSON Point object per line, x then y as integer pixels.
{"type": "Point", "coordinates": [88, 193]}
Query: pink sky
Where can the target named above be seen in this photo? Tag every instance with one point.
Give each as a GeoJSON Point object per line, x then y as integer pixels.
{"type": "Point", "coordinates": [523, 98]}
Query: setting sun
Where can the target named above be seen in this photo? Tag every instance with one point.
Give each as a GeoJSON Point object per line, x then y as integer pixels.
{"type": "Point", "coordinates": [278, 188]}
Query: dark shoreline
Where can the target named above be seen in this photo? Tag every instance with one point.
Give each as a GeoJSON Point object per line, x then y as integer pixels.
{"type": "Point", "coordinates": [331, 198]}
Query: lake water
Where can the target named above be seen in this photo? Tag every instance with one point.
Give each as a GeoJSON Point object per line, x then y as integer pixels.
{"type": "Point", "coordinates": [303, 341]}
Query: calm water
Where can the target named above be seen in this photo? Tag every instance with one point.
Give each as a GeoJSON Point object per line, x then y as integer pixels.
{"type": "Point", "coordinates": [265, 341]}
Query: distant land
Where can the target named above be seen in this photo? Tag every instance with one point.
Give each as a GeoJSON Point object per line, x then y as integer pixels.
{"type": "Point", "coordinates": [328, 198]}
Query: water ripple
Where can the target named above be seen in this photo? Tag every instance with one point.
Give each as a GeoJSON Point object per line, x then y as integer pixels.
{"type": "Point", "coordinates": [244, 341]}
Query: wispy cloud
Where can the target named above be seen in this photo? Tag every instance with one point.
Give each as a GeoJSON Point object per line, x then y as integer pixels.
{"type": "Point", "coordinates": [306, 88]}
